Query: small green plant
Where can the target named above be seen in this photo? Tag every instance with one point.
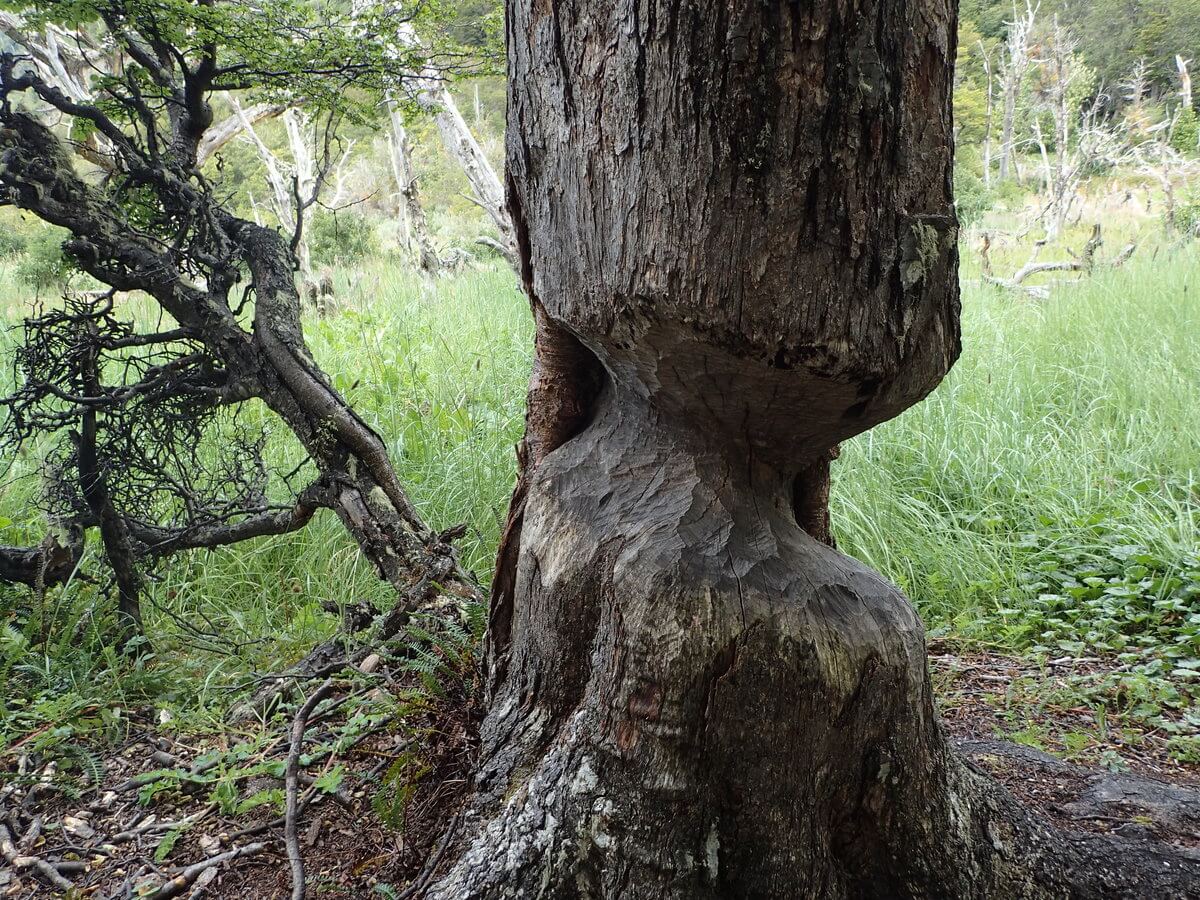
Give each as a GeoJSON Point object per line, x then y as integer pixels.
{"type": "Point", "coordinates": [442, 654]}
{"type": "Point", "coordinates": [1187, 214]}
{"type": "Point", "coordinates": [397, 787]}
{"type": "Point", "coordinates": [12, 241]}
{"type": "Point", "coordinates": [1185, 136]}
{"type": "Point", "coordinates": [341, 238]}
{"type": "Point", "coordinates": [41, 262]}
{"type": "Point", "coordinates": [972, 198]}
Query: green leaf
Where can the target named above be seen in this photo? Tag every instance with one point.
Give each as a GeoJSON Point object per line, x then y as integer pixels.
{"type": "Point", "coordinates": [225, 795]}
{"type": "Point", "coordinates": [273, 796]}
{"type": "Point", "coordinates": [330, 781]}
{"type": "Point", "coordinates": [167, 844]}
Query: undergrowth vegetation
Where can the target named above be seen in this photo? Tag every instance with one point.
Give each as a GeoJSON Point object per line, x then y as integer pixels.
{"type": "Point", "coordinates": [1044, 501]}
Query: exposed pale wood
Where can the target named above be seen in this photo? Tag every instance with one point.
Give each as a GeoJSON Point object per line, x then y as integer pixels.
{"type": "Point", "coordinates": [410, 214]}
{"type": "Point", "coordinates": [231, 126]}
{"type": "Point", "coordinates": [1185, 82]}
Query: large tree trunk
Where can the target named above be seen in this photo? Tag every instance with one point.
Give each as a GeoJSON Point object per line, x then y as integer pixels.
{"type": "Point", "coordinates": [736, 226]}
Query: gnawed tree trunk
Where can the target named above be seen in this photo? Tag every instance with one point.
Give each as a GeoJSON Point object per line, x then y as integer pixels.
{"type": "Point", "coordinates": [736, 227]}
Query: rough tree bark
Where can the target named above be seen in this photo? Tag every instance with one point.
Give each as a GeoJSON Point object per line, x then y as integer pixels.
{"type": "Point", "coordinates": [736, 226]}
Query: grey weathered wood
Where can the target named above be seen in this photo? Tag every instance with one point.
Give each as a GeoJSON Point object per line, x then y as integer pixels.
{"type": "Point", "coordinates": [410, 214]}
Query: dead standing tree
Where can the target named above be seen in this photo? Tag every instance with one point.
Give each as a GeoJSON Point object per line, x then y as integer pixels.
{"type": "Point", "coordinates": [160, 228]}
{"type": "Point", "coordinates": [1170, 168]}
{"type": "Point", "coordinates": [1061, 175]}
{"type": "Point", "coordinates": [410, 214]}
{"type": "Point", "coordinates": [1014, 66]}
{"type": "Point", "coordinates": [1185, 82]}
{"type": "Point", "coordinates": [736, 228]}
{"type": "Point", "coordinates": [299, 181]}
{"type": "Point", "coordinates": [429, 90]}
{"type": "Point", "coordinates": [70, 59]}
{"type": "Point", "coordinates": [989, 114]}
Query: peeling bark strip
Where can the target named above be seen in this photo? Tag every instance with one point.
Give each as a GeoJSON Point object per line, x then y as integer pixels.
{"type": "Point", "coordinates": [742, 210]}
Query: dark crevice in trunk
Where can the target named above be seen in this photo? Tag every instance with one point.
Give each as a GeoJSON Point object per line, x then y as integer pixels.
{"type": "Point", "coordinates": [810, 498]}
{"type": "Point", "coordinates": [566, 381]}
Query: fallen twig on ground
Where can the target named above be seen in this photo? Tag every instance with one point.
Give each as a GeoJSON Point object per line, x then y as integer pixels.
{"type": "Point", "coordinates": [291, 784]}
{"type": "Point", "coordinates": [184, 879]}
{"type": "Point", "coordinates": [19, 860]}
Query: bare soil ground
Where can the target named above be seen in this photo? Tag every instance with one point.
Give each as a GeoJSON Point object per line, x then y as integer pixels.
{"type": "Point", "coordinates": [112, 844]}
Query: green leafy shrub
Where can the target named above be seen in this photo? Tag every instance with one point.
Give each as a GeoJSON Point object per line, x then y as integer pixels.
{"type": "Point", "coordinates": [972, 198]}
{"type": "Point", "coordinates": [12, 241]}
{"type": "Point", "coordinates": [342, 237]}
{"type": "Point", "coordinates": [1098, 595]}
{"type": "Point", "coordinates": [42, 261]}
{"type": "Point", "coordinates": [1187, 214]}
{"type": "Point", "coordinates": [1185, 136]}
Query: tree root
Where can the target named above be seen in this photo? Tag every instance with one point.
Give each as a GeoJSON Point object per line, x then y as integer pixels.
{"type": "Point", "coordinates": [1133, 802]}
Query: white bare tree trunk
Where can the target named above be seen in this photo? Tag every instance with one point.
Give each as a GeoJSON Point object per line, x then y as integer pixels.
{"type": "Point", "coordinates": [225, 131]}
{"type": "Point", "coordinates": [281, 195]}
{"type": "Point", "coordinates": [1185, 82]}
{"type": "Point", "coordinates": [1014, 64]}
{"type": "Point", "coordinates": [298, 126]}
{"type": "Point", "coordinates": [987, 132]}
{"type": "Point", "coordinates": [292, 184]}
{"type": "Point", "coordinates": [461, 144]}
{"type": "Point", "coordinates": [410, 215]}
{"type": "Point", "coordinates": [1063, 72]}
{"type": "Point", "coordinates": [487, 189]}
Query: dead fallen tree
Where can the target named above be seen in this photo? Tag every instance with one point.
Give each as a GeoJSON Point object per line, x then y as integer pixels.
{"type": "Point", "coordinates": [1085, 263]}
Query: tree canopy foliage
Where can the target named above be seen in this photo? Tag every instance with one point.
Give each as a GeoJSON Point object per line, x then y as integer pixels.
{"type": "Point", "coordinates": [1112, 33]}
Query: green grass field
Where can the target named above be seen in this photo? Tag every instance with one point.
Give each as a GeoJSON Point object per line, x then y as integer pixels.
{"type": "Point", "coordinates": [1045, 500]}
